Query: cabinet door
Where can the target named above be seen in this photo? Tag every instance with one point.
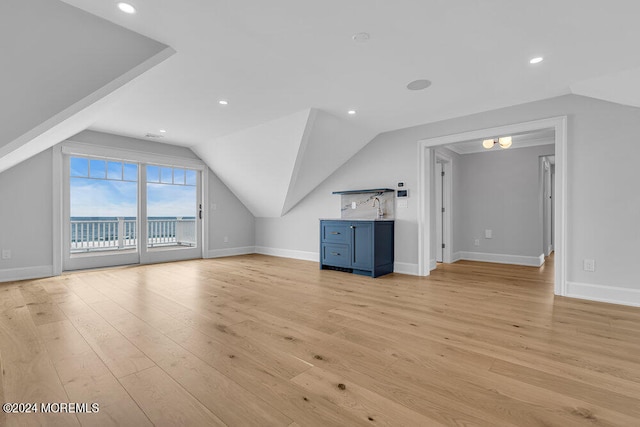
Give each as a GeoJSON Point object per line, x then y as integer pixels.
{"type": "Point", "coordinates": [362, 246]}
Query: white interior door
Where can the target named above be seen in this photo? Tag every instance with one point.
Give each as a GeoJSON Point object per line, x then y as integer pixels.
{"type": "Point", "coordinates": [439, 182]}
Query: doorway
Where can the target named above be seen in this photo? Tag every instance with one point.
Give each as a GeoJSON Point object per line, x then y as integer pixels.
{"type": "Point", "coordinates": [426, 159]}
{"type": "Point", "coordinates": [120, 212]}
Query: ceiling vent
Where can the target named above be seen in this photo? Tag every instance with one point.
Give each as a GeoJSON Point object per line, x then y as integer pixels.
{"type": "Point", "coordinates": [153, 135]}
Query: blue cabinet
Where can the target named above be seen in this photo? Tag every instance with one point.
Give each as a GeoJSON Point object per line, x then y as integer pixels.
{"type": "Point", "coordinates": [360, 247]}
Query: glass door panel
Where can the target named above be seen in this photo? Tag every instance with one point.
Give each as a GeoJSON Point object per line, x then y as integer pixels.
{"type": "Point", "coordinates": [172, 207]}
{"type": "Point", "coordinates": [102, 225]}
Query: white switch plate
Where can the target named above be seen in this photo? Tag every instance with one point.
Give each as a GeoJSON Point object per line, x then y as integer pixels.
{"type": "Point", "coordinates": [6, 254]}
{"type": "Point", "coordinates": [226, 239]}
{"type": "Point", "coordinates": [403, 203]}
{"type": "Point", "coordinates": [589, 265]}
{"type": "Point", "coordinates": [353, 205]}
{"type": "Point", "coordinates": [476, 242]}
{"type": "Point", "coordinates": [488, 234]}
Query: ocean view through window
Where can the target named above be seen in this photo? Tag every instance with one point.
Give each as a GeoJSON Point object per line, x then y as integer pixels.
{"type": "Point", "coordinates": [104, 194]}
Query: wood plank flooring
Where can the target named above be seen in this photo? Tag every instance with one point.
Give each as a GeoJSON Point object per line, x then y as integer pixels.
{"type": "Point", "coordinates": [263, 341]}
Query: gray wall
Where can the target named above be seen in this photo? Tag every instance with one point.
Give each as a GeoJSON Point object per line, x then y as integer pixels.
{"type": "Point", "coordinates": [230, 219]}
{"type": "Point", "coordinates": [500, 191]}
{"type": "Point", "coordinates": [26, 207]}
{"type": "Point", "coordinates": [602, 213]}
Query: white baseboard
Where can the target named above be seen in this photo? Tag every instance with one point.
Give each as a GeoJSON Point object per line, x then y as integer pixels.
{"type": "Point", "coordinates": [405, 268]}
{"type": "Point", "coordinates": [532, 261]}
{"type": "Point", "coordinates": [218, 253]}
{"type": "Point", "coordinates": [432, 264]}
{"type": "Point", "coordinates": [36, 272]}
{"type": "Point", "coordinates": [456, 256]}
{"type": "Point", "coordinates": [288, 253]}
{"type": "Point", "coordinates": [610, 294]}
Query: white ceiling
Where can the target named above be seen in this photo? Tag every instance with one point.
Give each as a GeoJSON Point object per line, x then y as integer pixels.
{"type": "Point", "coordinates": [293, 63]}
{"type": "Point", "coordinates": [273, 58]}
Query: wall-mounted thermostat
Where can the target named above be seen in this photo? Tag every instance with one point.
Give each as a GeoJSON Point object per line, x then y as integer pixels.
{"type": "Point", "coordinates": [403, 193]}
{"type": "Point", "coordinates": [400, 184]}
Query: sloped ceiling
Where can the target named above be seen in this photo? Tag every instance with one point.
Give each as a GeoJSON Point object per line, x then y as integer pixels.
{"type": "Point", "coordinates": [59, 64]}
{"type": "Point", "coordinates": [271, 167]}
{"type": "Point", "coordinates": [291, 70]}
{"type": "Point", "coordinates": [270, 59]}
{"type": "Point", "coordinates": [622, 87]}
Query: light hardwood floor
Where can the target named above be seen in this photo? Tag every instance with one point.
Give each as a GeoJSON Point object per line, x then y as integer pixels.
{"type": "Point", "coordinates": [257, 340]}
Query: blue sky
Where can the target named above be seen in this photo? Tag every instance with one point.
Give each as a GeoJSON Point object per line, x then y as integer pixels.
{"type": "Point", "coordinates": [116, 197]}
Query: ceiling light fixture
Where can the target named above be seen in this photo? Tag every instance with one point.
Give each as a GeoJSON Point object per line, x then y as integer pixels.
{"type": "Point", "coordinates": [126, 8]}
{"type": "Point", "coordinates": [223, 102]}
{"type": "Point", "coordinates": [361, 37]}
{"type": "Point", "coordinates": [504, 142]}
{"type": "Point", "coordinates": [351, 112]}
{"type": "Point", "coordinates": [162, 131]}
{"type": "Point", "coordinates": [419, 84]}
{"type": "Point", "coordinates": [536, 60]}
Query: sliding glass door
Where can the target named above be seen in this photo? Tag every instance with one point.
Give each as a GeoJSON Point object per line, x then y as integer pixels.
{"type": "Point", "coordinates": [121, 212]}
{"type": "Point", "coordinates": [172, 213]}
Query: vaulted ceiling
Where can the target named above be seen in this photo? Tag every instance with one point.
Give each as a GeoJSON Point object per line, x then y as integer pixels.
{"type": "Point", "coordinates": [60, 68]}
{"type": "Point", "coordinates": [295, 63]}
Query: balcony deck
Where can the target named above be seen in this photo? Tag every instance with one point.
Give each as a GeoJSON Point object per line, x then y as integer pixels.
{"type": "Point", "coordinates": [122, 234]}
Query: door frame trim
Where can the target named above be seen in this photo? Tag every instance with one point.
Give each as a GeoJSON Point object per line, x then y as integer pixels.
{"type": "Point", "coordinates": [426, 158]}
{"type": "Point", "coordinates": [70, 147]}
{"type": "Point", "coordinates": [447, 234]}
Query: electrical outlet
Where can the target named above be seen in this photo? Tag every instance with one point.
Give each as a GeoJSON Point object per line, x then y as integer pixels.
{"type": "Point", "coordinates": [589, 265]}
{"type": "Point", "coordinates": [6, 254]}
{"type": "Point", "coordinates": [476, 242]}
{"type": "Point", "coordinates": [354, 205]}
{"type": "Point", "coordinates": [403, 203]}
{"type": "Point", "coordinates": [226, 239]}
{"type": "Point", "coordinates": [488, 234]}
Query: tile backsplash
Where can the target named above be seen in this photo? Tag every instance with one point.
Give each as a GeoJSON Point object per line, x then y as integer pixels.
{"type": "Point", "coordinates": [364, 208]}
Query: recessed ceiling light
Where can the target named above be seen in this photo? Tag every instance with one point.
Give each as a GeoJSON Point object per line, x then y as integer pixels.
{"type": "Point", "coordinates": [162, 131]}
{"type": "Point", "coordinates": [419, 84]}
{"type": "Point", "coordinates": [351, 112]}
{"type": "Point", "coordinates": [126, 8]}
{"type": "Point", "coordinates": [536, 60]}
{"type": "Point", "coordinates": [361, 37]}
{"type": "Point", "coordinates": [223, 102]}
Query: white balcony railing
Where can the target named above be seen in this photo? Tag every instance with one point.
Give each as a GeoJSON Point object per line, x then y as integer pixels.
{"type": "Point", "coordinates": [98, 235]}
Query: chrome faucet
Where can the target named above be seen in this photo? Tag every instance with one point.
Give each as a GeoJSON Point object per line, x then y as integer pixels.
{"type": "Point", "coordinates": [379, 212]}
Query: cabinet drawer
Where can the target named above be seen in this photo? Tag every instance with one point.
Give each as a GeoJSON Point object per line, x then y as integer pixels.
{"type": "Point", "coordinates": [336, 255]}
{"type": "Point", "coordinates": [335, 232]}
